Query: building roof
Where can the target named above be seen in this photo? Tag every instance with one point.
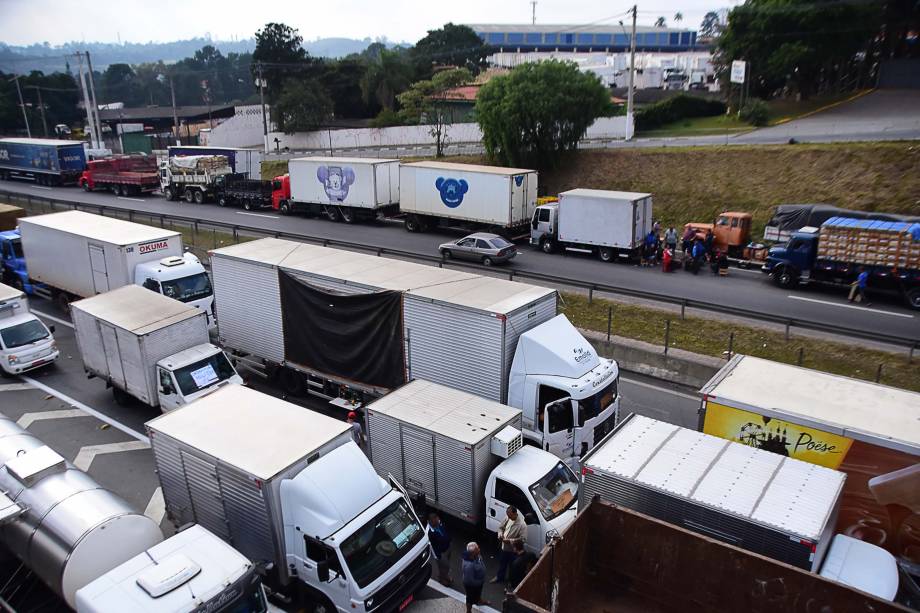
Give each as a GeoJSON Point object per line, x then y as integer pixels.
{"type": "Point", "coordinates": [137, 309]}
{"type": "Point", "coordinates": [97, 227]}
{"type": "Point", "coordinates": [567, 28]}
{"type": "Point", "coordinates": [257, 433]}
{"type": "Point", "coordinates": [446, 411]}
{"type": "Point", "coordinates": [463, 93]}
{"type": "Point", "coordinates": [138, 114]}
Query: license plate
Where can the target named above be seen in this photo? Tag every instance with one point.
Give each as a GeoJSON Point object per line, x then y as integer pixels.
{"type": "Point", "coordinates": [406, 602]}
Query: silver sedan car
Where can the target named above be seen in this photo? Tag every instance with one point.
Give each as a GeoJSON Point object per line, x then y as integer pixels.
{"type": "Point", "coordinates": [480, 247]}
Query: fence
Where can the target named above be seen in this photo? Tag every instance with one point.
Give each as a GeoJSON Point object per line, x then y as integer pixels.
{"type": "Point", "coordinates": [206, 235]}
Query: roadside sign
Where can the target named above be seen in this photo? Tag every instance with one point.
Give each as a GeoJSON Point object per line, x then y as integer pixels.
{"type": "Point", "coordinates": [739, 68]}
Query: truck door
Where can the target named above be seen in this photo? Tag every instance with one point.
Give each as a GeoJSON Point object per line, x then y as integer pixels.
{"type": "Point", "coordinates": [419, 474]}
{"type": "Point", "coordinates": [559, 428]}
{"type": "Point", "coordinates": [100, 271]}
{"type": "Point", "coordinates": [506, 494]}
{"type": "Point", "coordinates": [542, 224]}
{"type": "Point", "coordinates": [112, 354]}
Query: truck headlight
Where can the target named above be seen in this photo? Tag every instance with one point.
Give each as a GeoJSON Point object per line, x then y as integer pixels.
{"type": "Point", "coordinates": [13, 359]}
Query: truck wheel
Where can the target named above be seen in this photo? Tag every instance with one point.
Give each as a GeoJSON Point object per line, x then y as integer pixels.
{"type": "Point", "coordinates": [247, 205]}
{"type": "Point", "coordinates": [412, 224]}
{"type": "Point", "coordinates": [322, 604]}
{"type": "Point", "coordinates": [784, 277]}
{"type": "Point", "coordinates": [122, 398]}
{"type": "Point", "coordinates": [547, 245]}
{"type": "Point", "coordinates": [86, 187]}
{"type": "Point", "coordinates": [62, 300]}
{"type": "Point", "coordinates": [913, 298]}
{"type": "Point", "coordinates": [605, 254]}
{"type": "Point", "coordinates": [347, 215]}
{"type": "Point", "coordinates": [222, 200]}
{"type": "Point", "coordinates": [285, 208]}
{"type": "Point", "coordinates": [291, 382]}
{"type": "Point", "coordinates": [170, 193]}
{"type": "Point", "coordinates": [199, 196]}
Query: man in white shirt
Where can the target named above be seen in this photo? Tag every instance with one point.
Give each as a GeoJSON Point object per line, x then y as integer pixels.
{"type": "Point", "coordinates": [510, 530]}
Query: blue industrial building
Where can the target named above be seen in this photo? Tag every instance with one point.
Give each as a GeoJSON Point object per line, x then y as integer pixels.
{"type": "Point", "coordinates": [583, 38]}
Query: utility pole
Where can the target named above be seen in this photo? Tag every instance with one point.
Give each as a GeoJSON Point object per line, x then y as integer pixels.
{"type": "Point", "coordinates": [22, 104]}
{"type": "Point", "coordinates": [87, 104]}
{"type": "Point", "coordinates": [172, 93]}
{"type": "Point", "coordinates": [92, 94]}
{"type": "Point", "coordinates": [533, 4]}
{"type": "Point", "coordinates": [41, 109]}
{"type": "Point", "coordinates": [262, 104]}
{"type": "Point", "coordinates": [632, 75]}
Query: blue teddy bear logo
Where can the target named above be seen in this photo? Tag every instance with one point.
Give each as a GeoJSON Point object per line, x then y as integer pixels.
{"type": "Point", "coordinates": [335, 180]}
{"type": "Point", "coordinates": [452, 191]}
{"type": "Point", "coordinates": [518, 180]}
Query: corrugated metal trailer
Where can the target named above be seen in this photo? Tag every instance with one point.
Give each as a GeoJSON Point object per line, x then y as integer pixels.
{"type": "Point", "coordinates": [459, 329]}
{"type": "Point", "coordinates": [761, 501]}
{"type": "Point", "coordinates": [436, 441]}
{"type": "Point", "coordinates": [122, 335]}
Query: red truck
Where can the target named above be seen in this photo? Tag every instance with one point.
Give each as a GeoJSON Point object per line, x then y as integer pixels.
{"type": "Point", "coordinates": [125, 175]}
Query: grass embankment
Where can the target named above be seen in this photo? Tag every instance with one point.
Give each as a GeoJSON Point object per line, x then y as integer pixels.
{"type": "Point", "coordinates": [711, 337]}
{"type": "Point", "coordinates": [273, 168]}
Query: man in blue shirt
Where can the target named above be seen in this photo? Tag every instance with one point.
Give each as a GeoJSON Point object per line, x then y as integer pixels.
{"type": "Point", "coordinates": [862, 280]}
{"type": "Point", "coordinates": [440, 546]}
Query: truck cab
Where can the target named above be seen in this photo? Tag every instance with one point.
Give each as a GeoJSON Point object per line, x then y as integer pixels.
{"type": "Point", "coordinates": [190, 374]}
{"type": "Point", "coordinates": [791, 263]}
{"type": "Point", "coordinates": [26, 343]}
{"type": "Point", "coordinates": [544, 226]}
{"type": "Point", "coordinates": [181, 278]}
{"type": "Point", "coordinates": [361, 547]}
{"type": "Point", "coordinates": [569, 412]}
{"type": "Point", "coordinates": [541, 487]}
{"type": "Point", "coordinates": [731, 231]}
{"type": "Point", "coordinates": [281, 193]}
{"type": "Point", "coordinates": [14, 262]}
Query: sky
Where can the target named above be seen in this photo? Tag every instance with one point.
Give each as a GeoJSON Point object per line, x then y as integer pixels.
{"type": "Point", "coordinates": [24, 22]}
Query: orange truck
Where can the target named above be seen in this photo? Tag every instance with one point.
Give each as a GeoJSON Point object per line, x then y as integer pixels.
{"type": "Point", "coordinates": [731, 232]}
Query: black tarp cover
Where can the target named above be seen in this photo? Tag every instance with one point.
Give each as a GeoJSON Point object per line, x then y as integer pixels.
{"type": "Point", "coordinates": [796, 216]}
{"type": "Point", "coordinates": [357, 337]}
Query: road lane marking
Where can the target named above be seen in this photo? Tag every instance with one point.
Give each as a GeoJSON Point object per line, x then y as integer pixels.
{"type": "Point", "coordinates": [58, 320]}
{"type": "Point", "coordinates": [257, 215]}
{"type": "Point", "coordinates": [658, 389]}
{"type": "Point", "coordinates": [28, 419]}
{"type": "Point", "coordinates": [87, 409]}
{"type": "Point", "coordinates": [15, 387]}
{"type": "Point", "coordinates": [156, 508]}
{"type": "Point", "coordinates": [131, 199]}
{"type": "Point", "coordinates": [40, 187]}
{"type": "Point", "coordinates": [87, 454]}
{"type": "Point", "coordinates": [851, 306]}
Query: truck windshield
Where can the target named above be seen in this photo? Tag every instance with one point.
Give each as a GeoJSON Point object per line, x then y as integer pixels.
{"type": "Point", "coordinates": [592, 406]}
{"type": "Point", "coordinates": [204, 373]}
{"type": "Point", "coordinates": [17, 248]}
{"type": "Point", "coordinates": [555, 492]}
{"type": "Point", "coordinates": [186, 289]}
{"type": "Point", "coordinates": [244, 596]}
{"type": "Point", "coordinates": [382, 541]}
{"type": "Point", "coordinates": [23, 334]}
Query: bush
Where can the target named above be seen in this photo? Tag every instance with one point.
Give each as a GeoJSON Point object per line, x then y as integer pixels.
{"type": "Point", "coordinates": [755, 112]}
{"type": "Point", "coordinates": [385, 119]}
{"type": "Point", "coordinates": [676, 108]}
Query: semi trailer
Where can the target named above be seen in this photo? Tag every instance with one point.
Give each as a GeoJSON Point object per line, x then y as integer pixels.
{"type": "Point", "coordinates": [465, 456]}
{"type": "Point", "coordinates": [466, 196]}
{"type": "Point", "coordinates": [74, 255]}
{"type": "Point", "coordinates": [290, 489]}
{"type": "Point", "coordinates": [341, 189]}
{"type": "Point", "coordinates": [351, 327]}
{"type": "Point", "coordinates": [610, 224]}
{"type": "Point", "coordinates": [149, 347]}
{"type": "Point", "coordinates": [124, 175]}
{"type": "Point", "coordinates": [42, 160]}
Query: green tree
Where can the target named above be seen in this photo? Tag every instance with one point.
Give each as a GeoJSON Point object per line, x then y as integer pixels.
{"type": "Point", "coordinates": [451, 45]}
{"type": "Point", "coordinates": [304, 105]}
{"type": "Point", "coordinates": [711, 25]}
{"type": "Point", "coordinates": [342, 80]}
{"type": "Point", "coordinates": [279, 52]}
{"type": "Point", "coordinates": [119, 84]}
{"type": "Point", "coordinates": [660, 22]}
{"type": "Point", "coordinates": [535, 114]}
{"type": "Point", "coordinates": [385, 78]}
{"type": "Point", "coordinates": [418, 106]}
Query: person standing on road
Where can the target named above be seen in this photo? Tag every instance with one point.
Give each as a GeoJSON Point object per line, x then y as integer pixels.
{"type": "Point", "coordinates": [670, 239]}
{"type": "Point", "coordinates": [698, 253]}
{"type": "Point", "coordinates": [862, 280]}
{"type": "Point", "coordinates": [687, 241]}
{"type": "Point", "coordinates": [708, 241]}
{"type": "Point", "coordinates": [357, 433]}
{"type": "Point", "coordinates": [510, 530]}
{"type": "Point", "coordinates": [440, 546]}
{"type": "Point", "coordinates": [474, 575]}
{"type": "Point", "coordinates": [521, 565]}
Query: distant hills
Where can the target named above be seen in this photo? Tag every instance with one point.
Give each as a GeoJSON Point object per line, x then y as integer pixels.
{"type": "Point", "coordinates": [48, 58]}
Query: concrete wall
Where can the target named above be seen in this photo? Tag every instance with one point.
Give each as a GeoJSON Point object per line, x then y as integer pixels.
{"type": "Point", "coordinates": [244, 129]}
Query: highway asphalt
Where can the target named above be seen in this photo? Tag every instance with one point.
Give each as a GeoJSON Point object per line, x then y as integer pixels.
{"type": "Point", "coordinates": [743, 289]}
{"type": "Point", "coordinates": [79, 418]}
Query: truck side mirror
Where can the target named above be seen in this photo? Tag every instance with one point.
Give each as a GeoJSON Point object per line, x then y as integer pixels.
{"type": "Point", "coordinates": [51, 328]}
{"type": "Point", "coordinates": [322, 571]}
{"type": "Point", "coordinates": [531, 519]}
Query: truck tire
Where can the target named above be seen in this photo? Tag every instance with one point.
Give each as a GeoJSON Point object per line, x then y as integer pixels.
{"type": "Point", "coordinates": [547, 245]}
{"type": "Point", "coordinates": [247, 204]}
{"type": "Point", "coordinates": [291, 382]}
{"type": "Point", "coordinates": [188, 196]}
{"type": "Point", "coordinates": [412, 224]}
{"type": "Point", "coordinates": [347, 215]}
{"type": "Point", "coordinates": [199, 196]}
{"type": "Point", "coordinates": [785, 277]}
{"type": "Point", "coordinates": [170, 193]}
{"type": "Point", "coordinates": [605, 254]}
{"type": "Point", "coordinates": [913, 298]}
{"type": "Point", "coordinates": [285, 208]}
{"type": "Point", "coordinates": [332, 213]}
{"type": "Point", "coordinates": [321, 604]}
{"type": "Point", "coordinates": [222, 200]}
{"type": "Point", "coordinates": [86, 187]}
{"type": "Point", "coordinates": [62, 300]}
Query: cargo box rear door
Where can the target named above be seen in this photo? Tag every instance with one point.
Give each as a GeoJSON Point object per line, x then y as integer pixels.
{"type": "Point", "coordinates": [112, 354]}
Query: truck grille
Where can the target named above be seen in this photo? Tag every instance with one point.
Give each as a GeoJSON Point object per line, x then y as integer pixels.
{"type": "Point", "coordinates": [603, 429]}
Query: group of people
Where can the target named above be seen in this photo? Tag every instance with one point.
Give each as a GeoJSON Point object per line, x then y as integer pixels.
{"type": "Point", "coordinates": [696, 251]}
{"type": "Point", "coordinates": [514, 561]}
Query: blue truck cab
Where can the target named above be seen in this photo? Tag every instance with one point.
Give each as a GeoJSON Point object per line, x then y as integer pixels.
{"type": "Point", "coordinates": [13, 262]}
{"type": "Point", "coordinates": [793, 262]}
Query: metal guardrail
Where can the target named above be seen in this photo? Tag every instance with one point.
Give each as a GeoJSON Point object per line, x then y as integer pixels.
{"type": "Point", "coordinates": [236, 229]}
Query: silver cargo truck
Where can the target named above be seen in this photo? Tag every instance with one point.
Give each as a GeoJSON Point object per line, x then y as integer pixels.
{"type": "Point", "coordinates": [760, 501]}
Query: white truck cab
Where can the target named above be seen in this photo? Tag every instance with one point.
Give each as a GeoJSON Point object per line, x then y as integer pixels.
{"type": "Point", "coordinates": [26, 342]}
{"type": "Point", "coordinates": [570, 411]}
{"type": "Point", "coordinates": [541, 487]}
{"type": "Point", "coordinates": [181, 278]}
{"type": "Point", "coordinates": [190, 374]}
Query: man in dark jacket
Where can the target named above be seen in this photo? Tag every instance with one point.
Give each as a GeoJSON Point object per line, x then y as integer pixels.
{"type": "Point", "coordinates": [440, 546]}
{"type": "Point", "coordinates": [520, 567]}
{"type": "Point", "coordinates": [474, 576]}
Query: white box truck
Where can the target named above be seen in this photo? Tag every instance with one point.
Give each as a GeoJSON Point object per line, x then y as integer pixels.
{"type": "Point", "coordinates": [611, 224]}
{"type": "Point", "coordinates": [290, 490]}
{"type": "Point", "coordinates": [190, 571]}
{"type": "Point", "coordinates": [342, 189]}
{"type": "Point", "coordinates": [763, 502]}
{"type": "Point", "coordinates": [26, 343]}
{"type": "Point", "coordinates": [350, 327]}
{"type": "Point", "coordinates": [465, 456]}
{"type": "Point", "coordinates": [77, 255]}
{"type": "Point", "coordinates": [149, 347]}
{"type": "Point", "coordinates": [466, 196]}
